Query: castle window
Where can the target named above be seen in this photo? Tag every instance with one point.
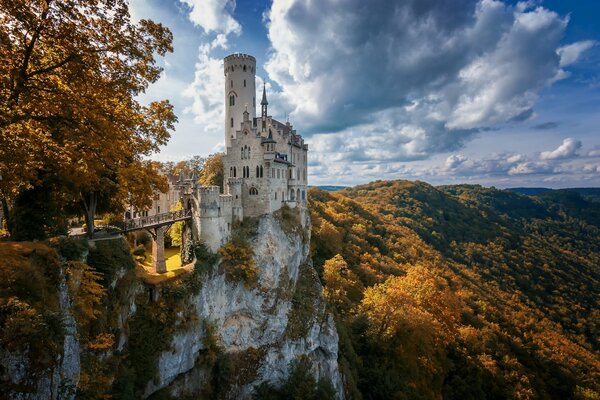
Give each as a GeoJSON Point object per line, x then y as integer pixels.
{"type": "Point", "coordinates": [234, 172]}
{"type": "Point", "coordinates": [232, 83]}
{"type": "Point", "coordinates": [303, 195]}
{"type": "Point", "coordinates": [253, 191]}
{"type": "Point", "coordinates": [278, 175]}
{"type": "Point", "coordinates": [249, 154]}
{"type": "Point", "coordinates": [261, 171]}
{"type": "Point", "coordinates": [257, 172]}
{"type": "Point", "coordinates": [275, 195]}
{"type": "Point", "coordinates": [231, 100]}
{"type": "Point", "coordinates": [244, 79]}
{"type": "Point", "coordinates": [244, 71]}
{"type": "Point", "coordinates": [242, 152]}
{"type": "Point", "coordinates": [232, 122]}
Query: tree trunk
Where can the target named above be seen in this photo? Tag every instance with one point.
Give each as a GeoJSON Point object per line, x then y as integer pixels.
{"type": "Point", "coordinates": [5, 213]}
{"type": "Point", "coordinates": [90, 212]}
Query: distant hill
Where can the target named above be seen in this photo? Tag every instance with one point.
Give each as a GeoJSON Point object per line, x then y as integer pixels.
{"type": "Point", "coordinates": [588, 193]}
{"type": "Point", "coordinates": [462, 292]}
{"type": "Point", "coordinates": [329, 188]}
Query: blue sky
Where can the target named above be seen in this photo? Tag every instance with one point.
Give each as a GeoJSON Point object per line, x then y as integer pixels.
{"type": "Point", "coordinates": [446, 91]}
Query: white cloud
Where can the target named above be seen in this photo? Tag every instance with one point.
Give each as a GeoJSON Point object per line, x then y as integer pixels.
{"type": "Point", "coordinates": [383, 82]}
{"type": "Point", "coordinates": [569, 148]}
{"type": "Point", "coordinates": [570, 54]}
{"type": "Point", "coordinates": [206, 90]}
{"type": "Point", "coordinates": [214, 15]}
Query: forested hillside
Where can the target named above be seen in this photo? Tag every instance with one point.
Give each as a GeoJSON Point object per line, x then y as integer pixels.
{"type": "Point", "coordinates": [461, 291]}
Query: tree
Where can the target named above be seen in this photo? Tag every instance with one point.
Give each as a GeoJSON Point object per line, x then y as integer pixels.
{"type": "Point", "coordinates": [212, 173]}
{"type": "Point", "coordinates": [73, 70]}
{"type": "Point", "coordinates": [342, 287]}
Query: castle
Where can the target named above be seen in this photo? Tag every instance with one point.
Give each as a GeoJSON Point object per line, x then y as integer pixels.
{"type": "Point", "coordinates": [265, 162]}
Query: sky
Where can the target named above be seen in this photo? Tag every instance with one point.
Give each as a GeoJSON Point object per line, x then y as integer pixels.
{"type": "Point", "coordinates": [498, 93]}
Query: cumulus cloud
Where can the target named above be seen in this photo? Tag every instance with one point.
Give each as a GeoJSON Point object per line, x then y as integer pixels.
{"type": "Point", "coordinates": [569, 148]}
{"type": "Point", "coordinates": [396, 81]}
{"type": "Point", "coordinates": [213, 15]}
{"type": "Point", "coordinates": [570, 54]}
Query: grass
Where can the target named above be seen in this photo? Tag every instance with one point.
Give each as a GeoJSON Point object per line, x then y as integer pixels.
{"type": "Point", "coordinates": [145, 270]}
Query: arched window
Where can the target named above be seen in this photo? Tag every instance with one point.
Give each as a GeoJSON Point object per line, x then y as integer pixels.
{"type": "Point", "coordinates": [253, 191]}
{"type": "Point", "coordinates": [232, 100]}
{"type": "Point", "coordinates": [249, 152]}
{"type": "Point", "coordinates": [303, 195]}
{"type": "Point", "coordinates": [244, 71]}
{"type": "Point", "coordinates": [234, 172]}
{"type": "Point", "coordinates": [242, 152]}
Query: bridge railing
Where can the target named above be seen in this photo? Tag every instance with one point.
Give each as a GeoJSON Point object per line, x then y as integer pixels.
{"type": "Point", "coordinates": [155, 220]}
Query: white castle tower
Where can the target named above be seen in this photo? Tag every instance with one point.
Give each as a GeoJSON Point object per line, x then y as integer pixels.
{"type": "Point", "coordinates": [240, 92]}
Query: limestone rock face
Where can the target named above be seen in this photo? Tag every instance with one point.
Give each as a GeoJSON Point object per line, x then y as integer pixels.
{"type": "Point", "coordinates": [59, 382]}
{"type": "Point", "coordinates": [273, 321]}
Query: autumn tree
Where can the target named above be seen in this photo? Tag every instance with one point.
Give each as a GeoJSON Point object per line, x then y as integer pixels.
{"type": "Point", "coordinates": [72, 71]}
{"type": "Point", "coordinates": [341, 286]}
{"type": "Point", "coordinates": [212, 173]}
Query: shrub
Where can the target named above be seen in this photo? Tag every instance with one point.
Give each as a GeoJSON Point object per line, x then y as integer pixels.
{"type": "Point", "coordinates": [108, 256]}
{"type": "Point", "coordinates": [140, 250]}
{"type": "Point", "coordinates": [238, 263]}
{"type": "Point", "coordinates": [303, 310]}
{"type": "Point", "coordinates": [71, 249]}
{"type": "Point", "coordinates": [299, 385]}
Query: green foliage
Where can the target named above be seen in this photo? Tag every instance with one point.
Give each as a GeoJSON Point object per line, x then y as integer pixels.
{"type": "Point", "coordinates": [289, 219]}
{"type": "Point", "coordinates": [469, 292]}
{"type": "Point", "coordinates": [31, 322]}
{"type": "Point", "coordinates": [150, 332]}
{"type": "Point", "coordinates": [69, 248]}
{"type": "Point", "coordinates": [108, 256]}
{"type": "Point", "coordinates": [238, 263]}
{"type": "Point", "coordinates": [36, 215]}
{"type": "Point", "coordinates": [304, 303]}
{"type": "Point", "coordinates": [299, 385]}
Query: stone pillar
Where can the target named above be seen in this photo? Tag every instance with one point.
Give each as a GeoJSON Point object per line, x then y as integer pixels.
{"type": "Point", "coordinates": [158, 250]}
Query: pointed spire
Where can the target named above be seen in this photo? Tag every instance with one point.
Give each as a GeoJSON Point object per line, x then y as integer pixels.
{"type": "Point", "coordinates": [263, 106]}
{"type": "Point", "coordinates": [264, 101]}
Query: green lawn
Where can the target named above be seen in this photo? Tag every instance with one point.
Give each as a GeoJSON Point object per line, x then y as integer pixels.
{"type": "Point", "coordinates": [172, 258]}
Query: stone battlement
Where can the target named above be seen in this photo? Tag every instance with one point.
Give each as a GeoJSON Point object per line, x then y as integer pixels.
{"type": "Point", "coordinates": [239, 56]}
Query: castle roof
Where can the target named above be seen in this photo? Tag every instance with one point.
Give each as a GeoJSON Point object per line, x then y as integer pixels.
{"type": "Point", "coordinates": [264, 101]}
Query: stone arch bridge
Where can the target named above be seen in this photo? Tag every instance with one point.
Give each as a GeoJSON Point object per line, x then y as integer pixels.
{"type": "Point", "coordinates": [157, 225]}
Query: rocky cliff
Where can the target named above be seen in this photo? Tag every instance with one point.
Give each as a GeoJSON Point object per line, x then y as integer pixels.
{"type": "Point", "coordinates": [269, 326]}
{"type": "Point", "coordinates": [211, 332]}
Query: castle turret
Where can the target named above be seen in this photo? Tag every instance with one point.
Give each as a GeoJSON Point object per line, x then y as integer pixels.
{"type": "Point", "coordinates": [240, 92]}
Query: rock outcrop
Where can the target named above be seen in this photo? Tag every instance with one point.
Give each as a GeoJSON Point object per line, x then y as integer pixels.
{"type": "Point", "coordinates": [272, 321]}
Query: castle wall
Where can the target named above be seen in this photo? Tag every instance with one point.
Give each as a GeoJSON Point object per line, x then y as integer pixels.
{"type": "Point", "coordinates": [213, 216]}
